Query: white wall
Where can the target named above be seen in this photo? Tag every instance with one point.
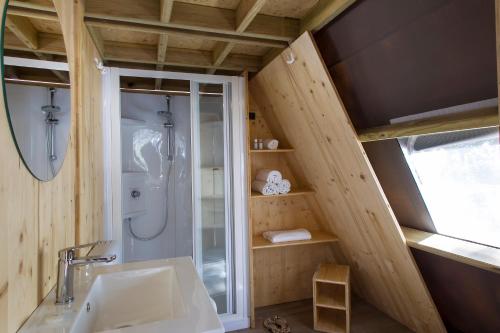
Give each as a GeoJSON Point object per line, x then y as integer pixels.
{"type": "Point", "coordinates": [28, 121]}
{"type": "Point", "coordinates": [144, 150]}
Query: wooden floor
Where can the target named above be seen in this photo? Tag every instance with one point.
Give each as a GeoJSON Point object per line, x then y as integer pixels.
{"type": "Point", "coordinates": [299, 315]}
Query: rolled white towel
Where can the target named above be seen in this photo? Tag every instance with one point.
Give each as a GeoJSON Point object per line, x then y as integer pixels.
{"type": "Point", "coordinates": [271, 144]}
{"type": "Point", "coordinates": [284, 186]}
{"type": "Point", "coordinates": [269, 176]}
{"type": "Point", "coordinates": [287, 235]}
{"type": "Point", "coordinates": [264, 188]}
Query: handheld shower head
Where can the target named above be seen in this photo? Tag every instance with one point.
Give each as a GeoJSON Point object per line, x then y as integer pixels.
{"type": "Point", "coordinates": [167, 114]}
{"type": "Point", "coordinates": [168, 123]}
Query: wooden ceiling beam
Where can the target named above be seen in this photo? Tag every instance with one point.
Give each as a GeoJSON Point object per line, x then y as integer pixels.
{"type": "Point", "coordinates": [96, 36]}
{"type": "Point", "coordinates": [47, 44]}
{"type": "Point", "coordinates": [22, 28]}
{"type": "Point", "coordinates": [196, 17]}
{"type": "Point", "coordinates": [322, 13]}
{"type": "Point", "coordinates": [166, 14]}
{"type": "Point", "coordinates": [185, 58]}
{"type": "Point", "coordinates": [28, 36]}
{"type": "Point", "coordinates": [51, 44]}
{"type": "Point", "coordinates": [187, 20]}
{"type": "Point", "coordinates": [27, 9]}
{"type": "Point", "coordinates": [157, 27]}
{"type": "Point", "coordinates": [219, 54]}
{"type": "Point", "coordinates": [245, 13]}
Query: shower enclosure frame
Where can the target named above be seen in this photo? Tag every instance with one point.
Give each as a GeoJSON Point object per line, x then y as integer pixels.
{"type": "Point", "coordinates": [234, 131]}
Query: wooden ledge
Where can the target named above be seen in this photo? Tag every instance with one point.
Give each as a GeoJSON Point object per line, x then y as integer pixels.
{"type": "Point", "coordinates": [481, 256]}
{"type": "Point", "coordinates": [292, 193]}
{"type": "Point", "coordinates": [279, 150]}
{"type": "Point", "coordinates": [482, 118]}
{"type": "Point", "coordinates": [318, 237]}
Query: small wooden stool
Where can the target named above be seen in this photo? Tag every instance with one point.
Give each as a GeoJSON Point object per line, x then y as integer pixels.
{"type": "Point", "coordinates": [332, 298]}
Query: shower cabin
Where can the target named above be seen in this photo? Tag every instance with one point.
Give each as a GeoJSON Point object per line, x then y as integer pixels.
{"type": "Point", "coordinates": [176, 182]}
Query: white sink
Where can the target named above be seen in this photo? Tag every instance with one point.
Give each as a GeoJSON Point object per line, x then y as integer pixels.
{"type": "Point", "coordinates": [150, 296]}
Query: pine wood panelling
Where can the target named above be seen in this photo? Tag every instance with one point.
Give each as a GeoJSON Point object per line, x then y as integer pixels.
{"type": "Point", "coordinates": [310, 114]}
{"type": "Point", "coordinates": [285, 274]}
{"type": "Point", "coordinates": [39, 218]}
{"type": "Point", "coordinates": [90, 154]}
{"type": "Point", "coordinates": [282, 213]}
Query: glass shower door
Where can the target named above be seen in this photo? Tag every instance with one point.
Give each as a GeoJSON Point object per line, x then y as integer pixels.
{"type": "Point", "coordinates": [212, 191]}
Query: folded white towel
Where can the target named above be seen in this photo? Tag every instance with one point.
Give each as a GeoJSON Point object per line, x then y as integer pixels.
{"type": "Point", "coordinates": [284, 186]}
{"type": "Point", "coordinates": [264, 187]}
{"type": "Point", "coordinates": [287, 235]}
{"type": "Point", "coordinates": [269, 176]}
{"type": "Point", "coordinates": [271, 144]}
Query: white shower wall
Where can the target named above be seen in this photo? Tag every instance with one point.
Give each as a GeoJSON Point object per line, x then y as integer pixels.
{"type": "Point", "coordinates": [144, 150]}
{"type": "Point", "coordinates": [25, 109]}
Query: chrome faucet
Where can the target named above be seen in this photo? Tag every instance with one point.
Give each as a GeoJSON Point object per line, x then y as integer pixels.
{"type": "Point", "coordinates": [66, 265]}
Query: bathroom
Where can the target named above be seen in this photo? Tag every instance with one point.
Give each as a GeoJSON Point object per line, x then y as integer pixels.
{"type": "Point", "coordinates": [252, 166]}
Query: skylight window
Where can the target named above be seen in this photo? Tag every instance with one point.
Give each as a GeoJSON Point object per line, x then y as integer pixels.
{"type": "Point", "coordinates": [458, 175]}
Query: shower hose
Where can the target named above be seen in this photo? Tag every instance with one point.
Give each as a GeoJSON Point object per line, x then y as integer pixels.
{"type": "Point", "coordinates": [165, 222]}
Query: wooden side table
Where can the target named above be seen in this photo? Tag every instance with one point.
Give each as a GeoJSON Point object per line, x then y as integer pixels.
{"type": "Point", "coordinates": [332, 299]}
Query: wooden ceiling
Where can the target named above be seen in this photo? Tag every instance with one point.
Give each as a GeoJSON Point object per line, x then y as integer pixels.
{"type": "Point", "coordinates": [201, 36]}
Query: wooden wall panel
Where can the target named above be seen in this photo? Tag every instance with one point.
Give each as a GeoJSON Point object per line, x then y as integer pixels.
{"type": "Point", "coordinates": [303, 98]}
{"type": "Point", "coordinates": [90, 153]}
{"type": "Point", "coordinates": [39, 218]}
{"type": "Point", "coordinates": [285, 274]}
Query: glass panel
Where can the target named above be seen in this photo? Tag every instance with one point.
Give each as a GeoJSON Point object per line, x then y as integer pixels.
{"type": "Point", "coordinates": [213, 227]}
{"type": "Point", "coordinates": [457, 174]}
{"type": "Point", "coordinates": [156, 166]}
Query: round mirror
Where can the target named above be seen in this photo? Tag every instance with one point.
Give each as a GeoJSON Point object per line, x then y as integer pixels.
{"type": "Point", "coordinates": [36, 87]}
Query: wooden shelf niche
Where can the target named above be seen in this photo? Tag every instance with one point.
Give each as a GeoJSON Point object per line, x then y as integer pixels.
{"type": "Point", "coordinates": [282, 272]}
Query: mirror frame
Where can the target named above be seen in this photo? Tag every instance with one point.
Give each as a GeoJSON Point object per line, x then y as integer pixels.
{"type": "Point", "coordinates": [30, 63]}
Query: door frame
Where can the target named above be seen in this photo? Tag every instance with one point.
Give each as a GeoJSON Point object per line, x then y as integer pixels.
{"type": "Point", "coordinates": [113, 224]}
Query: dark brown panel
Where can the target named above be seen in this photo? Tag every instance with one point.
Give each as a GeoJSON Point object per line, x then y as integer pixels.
{"type": "Point", "coordinates": [398, 183]}
{"type": "Point", "coordinates": [392, 58]}
{"type": "Point", "coordinates": [468, 298]}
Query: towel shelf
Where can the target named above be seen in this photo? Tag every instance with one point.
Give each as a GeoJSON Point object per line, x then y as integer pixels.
{"type": "Point", "coordinates": [279, 150]}
{"type": "Point", "coordinates": [292, 193]}
{"type": "Point", "coordinates": [259, 242]}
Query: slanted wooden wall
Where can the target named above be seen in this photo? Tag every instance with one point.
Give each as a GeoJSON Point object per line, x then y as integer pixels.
{"type": "Point", "coordinates": [39, 218]}
{"type": "Point", "coordinates": [302, 100]}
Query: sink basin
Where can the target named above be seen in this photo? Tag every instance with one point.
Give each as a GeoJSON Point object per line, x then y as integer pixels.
{"type": "Point", "coordinates": [150, 296]}
{"type": "Point", "coordinates": [130, 298]}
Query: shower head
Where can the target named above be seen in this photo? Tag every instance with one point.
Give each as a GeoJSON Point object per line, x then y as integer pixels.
{"type": "Point", "coordinates": [51, 109]}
